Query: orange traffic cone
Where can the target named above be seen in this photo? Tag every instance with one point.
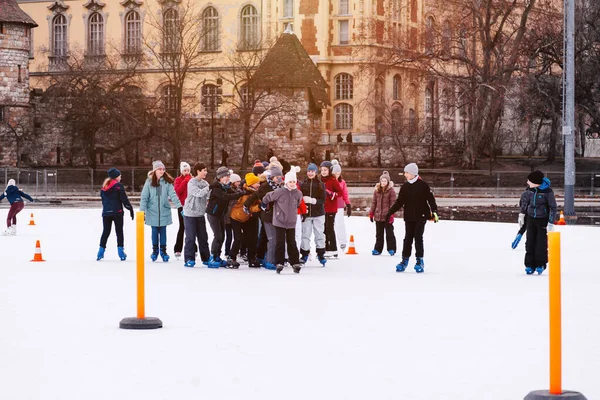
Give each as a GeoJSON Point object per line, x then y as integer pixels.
{"type": "Point", "coordinates": [351, 248]}
{"type": "Point", "coordinates": [31, 221]}
{"type": "Point", "coordinates": [561, 220]}
{"type": "Point", "coordinates": [37, 257]}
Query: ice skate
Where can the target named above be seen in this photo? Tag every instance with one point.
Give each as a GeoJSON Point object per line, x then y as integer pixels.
{"type": "Point", "coordinates": [100, 254]}
{"type": "Point", "coordinates": [279, 268]}
{"type": "Point", "coordinates": [154, 255]}
{"type": "Point", "coordinates": [297, 268]}
{"type": "Point", "coordinates": [190, 263]}
{"type": "Point", "coordinates": [121, 253]}
{"type": "Point", "coordinates": [177, 255]}
{"type": "Point", "coordinates": [402, 265]}
{"type": "Point", "coordinates": [420, 265]}
{"type": "Point", "coordinates": [163, 254]}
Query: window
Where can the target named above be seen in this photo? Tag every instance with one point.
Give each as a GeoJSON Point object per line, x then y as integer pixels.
{"type": "Point", "coordinates": [288, 8]}
{"type": "Point", "coordinates": [429, 35]}
{"type": "Point", "coordinates": [169, 98]}
{"type": "Point", "coordinates": [344, 87]}
{"type": "Point", "coordinates": [412, 122]}
{"type": "Point", "coordinates": [245, 96]}
{"type": "Point", "coordinates": [95, 35]}
{"type": "Point", "coordinates": [446, 103]}
{"type": "Point", "coordinates": [428, 101]}
{"type": "Point", "coordinates": [397, 87]}
{"type": "Point", "coordinates": [343, 116]}
{"type": "Point", "coordinates": [396, 8]}
{"type": "Point", "coordinates": [446, 38]}
{"type": "Point", "coordinates": [19, 79]}
{"type": "Point", "coordinates": [344, 7]}
{"type": "Point", "coordinates": [133, 33]}
{"type": "Point", "coordinates": [2, 29]}
{"type": "Point", "coordinates": [210, 97]}
{"type": "Point", "coordinates": [59, 36]}
{"type": "Point", "coordinates": [31, 42]}
{"type": "Point", "coordinates": [462, 42]}
{"type": "Point", "coordinates": [343, 32]}
{"type": "Point", "coordinates": [170, 31]}
{"type": "Point", "coordinates": [396, 121]}
{"type": "Point", "coordinates": [249, 33]}
{"type": "Point", "coordinates": [211, 40]}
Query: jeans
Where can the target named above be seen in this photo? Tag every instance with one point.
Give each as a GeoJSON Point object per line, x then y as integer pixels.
{"type": "Point", "coordinates": [107, 226]}
{"type": "Point", "coordinates": [195, 231]}
{"type": "Point", "coordinates": [218, 227]}
{"type": "Point", "coordinates": [159, 233]}
{"type": "Point", "coordinates": [15, 208]}
{"type": "Point", "coordinates": [270, 232]}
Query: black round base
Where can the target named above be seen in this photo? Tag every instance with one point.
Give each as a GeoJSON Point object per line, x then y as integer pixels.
{"type": "Point", "coordinates": [545, 395]}
{"type": "Point", "coordinates": [140, 323]}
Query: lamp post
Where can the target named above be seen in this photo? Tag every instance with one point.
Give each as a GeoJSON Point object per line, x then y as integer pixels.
{"type": "Point", "coordinates": [379, 126]}
{"type": "Point", "coordinates": [212, 99]}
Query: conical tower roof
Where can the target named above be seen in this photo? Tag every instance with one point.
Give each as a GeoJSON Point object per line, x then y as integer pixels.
{"type": "Point", "coordinates": [11, 12]}
{"type": "Point", "coordinates": [287, 65]}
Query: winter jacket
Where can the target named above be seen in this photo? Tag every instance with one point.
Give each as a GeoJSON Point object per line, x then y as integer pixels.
{"type": "Point", "coordinates": [197, 198]}
{"type": "Point", "coordinates": [285, 206]}
{"type": "Point", "coordinates": [232, 203]}
{"type": "Point", "coordinates": [344, 199]}
{"type": "Point", "coordinates": [237, 211]}
{"type": "Point", "coordinates": [154, 201]}
{"type": "Point", "coordinates": [539, 202]}
{"type": "Point", "coordinates": [417, 200]}
{"type": "Point", "coordinates": [333, 190]}
{"type": "Point", "coordinates": [315, 189]}
{"type": "Point", "coordinates": [218, 201]}
{"type": "Point", "coordinates": [383, 198]}
{"type": "Point", "coordinates": [12, 193]}
{"type": "Point", "coordinates": [264, 188]}
{"type": "Point", "coordinates": [113, 199]}
{"type": "Point", "coordinates": [181, 187]}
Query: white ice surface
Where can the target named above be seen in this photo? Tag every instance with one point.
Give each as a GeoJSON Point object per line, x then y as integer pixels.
{"type": "Point", "coordinates": [472, 327]}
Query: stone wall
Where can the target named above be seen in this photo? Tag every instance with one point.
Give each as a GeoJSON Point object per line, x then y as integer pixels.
{"type": "Point", "coordinates": [14, 53]}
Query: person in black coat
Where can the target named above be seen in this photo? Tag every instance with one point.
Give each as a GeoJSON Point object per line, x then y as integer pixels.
{"type": "Point", "coordinates": [114, 199]}
{"type": "Point", "coordinates": [419, 206]}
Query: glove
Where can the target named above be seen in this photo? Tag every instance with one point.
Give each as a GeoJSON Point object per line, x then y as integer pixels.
{"type": "Point", "coordinates": [550, 228]}
{"type": "Point", "coordinates": [435, 218]}
{"type": "Point", "coordinates": [182, 214]}
{"type": "Point", "coordinates": [391, 220]}
{"type": "Point", "coordinates": [331, 194]}
{"type": "Point", "coordinates": [246, 210]}
{"type": "Point", "coordinates": [309, 200]}
{"type": "Point", "coordinates": [303, 216]}
{"type": "Point", "coordinates": [348, 210]}
{"type": "Point", "coordinates": [521, 220]}
{"type": "Point", "coordinates": [515, 242]}
{"type": "Point", "coordinates": [371, 217]}
{"type": "Point", "coordinates": [264, 206]}
{"type": "Point", "coordinates": [132, 214]}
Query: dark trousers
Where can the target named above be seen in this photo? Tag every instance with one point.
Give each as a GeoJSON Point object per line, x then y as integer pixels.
{"type": "Point", "coordinates": [283, 236]}
{"type": "Point", "coordinates": [217, 225]}
{"type": "Point", "coordinates": [330, 242]}
{"type": "Point", "coordinates": [261, 249]}
{"type": "Point", "coordinates": [16, 208]}
{"type": "Point", "coordinates": [536, 247]}
{"type": "Point", "coordinates": [228, 238]}
{"type": "Point", "coordinates": [107, 225]}
{"type": "Point", "coordinates": [195, 232]}
{"type": "Point", "coordinates": [244, 234]}
{"type": "Point", "coordinates": [179, 242]}
{"type": "Point", "coordinates": [414, 232]}
{"type": "Point", "coordinates": [390, 238]}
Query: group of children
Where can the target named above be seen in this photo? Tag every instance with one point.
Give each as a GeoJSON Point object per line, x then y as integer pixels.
{"type": "Point", "coordinates": [272, 216]}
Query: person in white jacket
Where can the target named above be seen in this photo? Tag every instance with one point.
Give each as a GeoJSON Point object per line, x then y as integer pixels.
{"type": "Point", "coordinates": [344, 207]}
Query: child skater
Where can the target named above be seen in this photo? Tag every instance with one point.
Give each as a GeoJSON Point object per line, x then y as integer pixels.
{"type": "Point", "coordinates": [419, 206]}
{"type": "Point", "coordinates": [154, 201]}
{"type": "Point", "coordinates": [15, 198]}
{"type": "Point", "coordinates": [383, 198]}
{"type": "Point", "coordinates": [114, 199]}
{"type": "Point", "coordinates": [180, 184]}
{"type": "Point", "coordinates": [194, 220]}
{"type": "Point", "coordinates": [235, 183]}
{"type": "Point", "coordinates": [333, 191]}
{"type": "Point", "coordinates": [314, 219]}
{"type": "Point", "coordinates": [244, 222]}
{"type": "Point", "coordinates": [344, 207]}
{"type": "Point", "coordinates": [539, 206]}
{"type": "Point", "coordinates": [286, 201]}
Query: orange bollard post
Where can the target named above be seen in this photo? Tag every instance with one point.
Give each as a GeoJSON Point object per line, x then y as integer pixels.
{"type": "Point", "coordinates": [140, 321]}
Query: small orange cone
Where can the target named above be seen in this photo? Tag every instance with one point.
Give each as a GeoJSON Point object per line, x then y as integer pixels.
{"type": "Point", "coordinates": [351, 248]}
{"type": "Point", "coordinates": [31, 221]}
{"type": "Point", "coordinates": [561, 220]}
{"type": "Point", "coordinates": [37, 257]}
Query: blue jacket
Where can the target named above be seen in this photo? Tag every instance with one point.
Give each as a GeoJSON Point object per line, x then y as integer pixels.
{"type": "Point", "coordinates": [154, 201]}
{"type": "Point", "coordinates": [539, 202]}
{"type": "Point", "coordinates": [12, 193]}
{"type": "Point", "coordinates": [113, 199]}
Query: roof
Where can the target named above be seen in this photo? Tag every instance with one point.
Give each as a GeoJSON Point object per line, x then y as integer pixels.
{"type": "Point", "coordinates": [287, 65]}
{"type": "Point", "coordinates": [11, 12]}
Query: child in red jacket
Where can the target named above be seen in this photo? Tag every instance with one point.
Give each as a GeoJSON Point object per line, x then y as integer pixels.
{"type": "Point", "coordinates": [332, 190]}
{"type": "Point", "coordinates": [181, 184]}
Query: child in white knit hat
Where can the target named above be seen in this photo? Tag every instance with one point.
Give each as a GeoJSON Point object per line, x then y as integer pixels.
{"type": "Point", "coordinates": [181, 184]}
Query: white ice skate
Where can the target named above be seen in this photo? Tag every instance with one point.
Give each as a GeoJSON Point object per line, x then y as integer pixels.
{"type": "Point", "coordinates": [10, 231]}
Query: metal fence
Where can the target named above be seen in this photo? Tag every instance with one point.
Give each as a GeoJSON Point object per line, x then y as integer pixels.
{"type": "Point", "coordinates": [52, 183]}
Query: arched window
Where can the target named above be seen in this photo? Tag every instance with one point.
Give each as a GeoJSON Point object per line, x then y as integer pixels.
{"type": "Point", "coordinates": [95, 35]}
{"type": "Point", "coordinates": [446, 38]}
{"type": "Point", "coordinates": [250, 36]}
{"type": "Point", "coordinates": [428, 101]}
{"type": "Point", "coordinates": [429, 35]}
{"type": "Point", "coordinates": [133, 33]}
{"type": "Point", "coordinates": [170, 31]}
{"type": "Point", "coordinates": [343, 116]}
{"type": "Point", "coordinates": [396, 121]}
{"type": "Point", "coordinates": [412, 122]}
{"type": "Point", "coordinates": [60, 44]}
{"type": "Point", "coordinates": [397, 87]}
{"type": "Point", "coordinates": [462, 42]}
{"type": "Point", "coordinates": [288, 8]}
{"type": "Point", "coordinates": [211, 40]}
{"type": "Point", "coordinates": [169, 98]}
{"type": "Point", "coordinates": [344, 87]}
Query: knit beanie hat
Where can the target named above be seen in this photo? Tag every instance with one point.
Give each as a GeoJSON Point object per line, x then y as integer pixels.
{"type": "Point", "coordinates": [327, 164]}
{"type": "Point", "coordinates": [113, 173]}
{"type": "Point", "coordinates": [235, 178]}
{"type": "Point", "coordinates": [291, 175]}
{"type": "Point", "coordinates": [223, 172]}
{"type": "Point", "coordinates": [275, 171]}
{"type": "Point", "coordinates": [312, 167]}
{"type": "Point", "coordinates": [157, 164]}
{"type": "Point", "coordinates": [251, 179]}
{"type": "Point", "coordinates": [336, 167]}
{"type": "Point", "coordinates": [536, 177]}
{"type": "Point", "coordinates": [412, 169]}
{"type": "Point", "coordinates": [11, 182]}
{"type": "Point", "coordinates": [183, 166]}
{"type": "Point", "coordinates": [258, 168]}
{"type": "Point", "coordinates": [386, 175]}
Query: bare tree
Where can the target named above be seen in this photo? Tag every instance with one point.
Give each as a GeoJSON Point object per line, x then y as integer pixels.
{"type": "Point", "coordinates": [18, 129]}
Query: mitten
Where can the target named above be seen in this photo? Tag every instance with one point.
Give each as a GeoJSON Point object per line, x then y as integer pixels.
{"type": "Point", "coordinates": [348, 210]}
{"type": "Point", "coordinates": [435, 217]}
{"type": "Point", "coordinates": [391, 220]}
{"type": "Point", "coordinates": [182, 214]}
{"type": "Point", "coordinates": [521, 219]}
{"type": "Point", "coordinates": [371, 217]}
{"type": "Point", "coordinates": [515, 242]}
{"type": "Point", "coordinates": [264, 206]}
{"type": "Point", "coordinates": [309, 200]}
